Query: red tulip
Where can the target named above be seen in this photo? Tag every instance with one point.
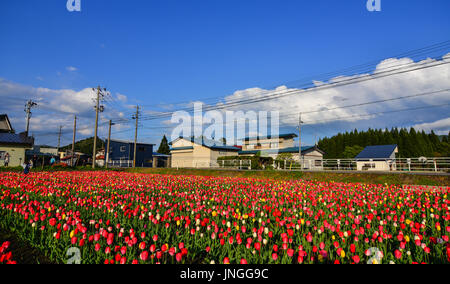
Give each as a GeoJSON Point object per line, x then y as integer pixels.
{"type": "Point", "coordinates": [144, 255]}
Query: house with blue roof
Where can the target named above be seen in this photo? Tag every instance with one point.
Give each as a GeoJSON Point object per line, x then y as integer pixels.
{"type": "Point", "coordinates": [199, 152]}
{"type": "Point", "coordinates": [274, 145]}
{"type": "Point", "coordinates": [377, 158]}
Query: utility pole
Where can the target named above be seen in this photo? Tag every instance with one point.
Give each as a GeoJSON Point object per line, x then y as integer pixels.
{"type": "Point", "coordinates": [59, 137]}
{"type": "Point", "coordinates": [107, 148]}
{"type": "Point", "coordinates": [300, 139]}
{"type": "Point", "coordinates": [135, 135]}
{"type": "Point", "coordinates": [98, 109]}
{"type": "Point", "coordinates": [28, 107]}
{"type": "Point", "coordinates": [73, 140]}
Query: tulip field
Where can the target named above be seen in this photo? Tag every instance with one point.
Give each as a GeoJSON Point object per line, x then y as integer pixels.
{"type": "Point", "coordinates": [128, 218]}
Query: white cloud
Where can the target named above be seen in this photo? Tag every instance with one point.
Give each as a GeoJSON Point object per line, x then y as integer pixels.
{"type": "Point", "coordinates": [71, 68]}
{"type": "Point", "coordinates": [439, 127]}
{"type": "Point", "coordinates": [55, 107]}
{"type": "Point", "coordinates": [121, 98]}
{"type": "Point", "coordinates": [321, 98]}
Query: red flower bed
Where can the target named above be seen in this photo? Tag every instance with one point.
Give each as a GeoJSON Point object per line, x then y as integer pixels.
{"type": "Point", "coordinates": [111, 217]}
{"type": "Point", "coordinates": [5, 255]}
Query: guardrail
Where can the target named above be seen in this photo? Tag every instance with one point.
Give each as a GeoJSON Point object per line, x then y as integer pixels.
{"type": "Point", "coordinates": [422, 164]}
{"type": "Point", "coordinates": [209, 164]}
{"type": "Point", "coordinates": [120, 164]}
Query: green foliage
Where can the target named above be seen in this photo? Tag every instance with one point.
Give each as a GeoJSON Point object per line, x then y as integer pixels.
{"type": "Point", "coordinates": [351, 152]}
{"type": "Point", "coordinates": [85, 146]}
{"type": "Point", "coordinates": [164, 146]}
{"type": "Point", "coordinates": [285, 157]}
{"type": "Point", "coordinates": [411, 143]}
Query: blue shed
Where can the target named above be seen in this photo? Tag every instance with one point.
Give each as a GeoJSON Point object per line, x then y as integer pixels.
{"type": "Point", "coordinates": [121, 154]}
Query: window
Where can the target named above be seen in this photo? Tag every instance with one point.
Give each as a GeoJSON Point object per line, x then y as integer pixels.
{"type": "Point", "coordinates": [123, 148]}
{"type": "Point", "coordinates": [368, 166]}
{"type": "Point", "coordinates": [141, 149]}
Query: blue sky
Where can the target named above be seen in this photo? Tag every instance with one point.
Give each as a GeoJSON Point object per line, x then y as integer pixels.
{"type": "Point", "coordinates": [157, 52]}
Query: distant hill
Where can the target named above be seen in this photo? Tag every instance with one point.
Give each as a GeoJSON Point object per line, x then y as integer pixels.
{"type": "Point", "coordinates": [411, 143]}
{"type": "Point", "coordinates": [85, 146]}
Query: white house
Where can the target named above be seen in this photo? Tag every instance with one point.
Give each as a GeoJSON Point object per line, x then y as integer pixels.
{"type": "Point", "coordinates": [377, 158]}
{"type": "Point", "coordinates": [198, 153]}
{"type": "Point", "coordinates": [272, 146]}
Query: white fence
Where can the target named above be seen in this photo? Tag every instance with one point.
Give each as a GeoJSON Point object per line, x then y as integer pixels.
{"type": "Point", "coordinates": [234, 164]}
{"type": "Point", "coordinates": [422, 164]}
{"type": "Point", "coordinates": [436, 165]}
{"type": "Point", "coordinates": [120, 164]}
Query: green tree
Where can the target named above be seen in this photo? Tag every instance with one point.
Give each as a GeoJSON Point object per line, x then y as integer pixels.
{"type": "Point", "coordinates": [85, 146]}
{"type": "Point", "coordinates": [352, 151]}
{"type": "Point", "coordinates": [164, 146]}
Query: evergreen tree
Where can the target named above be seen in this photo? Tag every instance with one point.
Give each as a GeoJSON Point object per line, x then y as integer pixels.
{"type": "Point", "coordinates": [164, 146]}
{"type": "Point", "coordinates": [411, 143]}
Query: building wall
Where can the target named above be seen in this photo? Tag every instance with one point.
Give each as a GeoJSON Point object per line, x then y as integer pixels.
{"type": "Point", "coordinates": [125, 151]}
{"type": "Point", "coordinates": [378, 166]}
{"type": "Point", "coordinates": [182, 158]}
{"type": "Point", "coordinates": [215, 154]}
{"type": "Point", "coordinates": [199, 157]}
{"type": "Point", "coordinates": [311, 160]}
{"type": "Point", "coordinates": [116, 153]}
{"type": "Point", "coordinates": [16, 155]}
{"type": "Point", "coordinates": [202, 157]}
{"type": "Point", "coordinates": [274, 143]}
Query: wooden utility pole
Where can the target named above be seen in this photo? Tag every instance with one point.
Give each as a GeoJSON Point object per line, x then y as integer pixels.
{"type": "Point", "coordinates": [98, 109]}
{"type": "Point", "coordinates": [135, 136]}
{"type": "Point", "coordinates": [300, 139]}
{"type": "Point", "coordinates": [59, 137]}
{"type": "Point", "coordinates": [73, 140]}
{"type": "Point", "coordinates": [28, 107]}
{"type": "Point", "coordinates": [107, 148]}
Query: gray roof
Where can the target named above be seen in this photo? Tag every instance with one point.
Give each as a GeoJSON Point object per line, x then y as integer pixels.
{"type": "Point", "coordinates": [16, 139]}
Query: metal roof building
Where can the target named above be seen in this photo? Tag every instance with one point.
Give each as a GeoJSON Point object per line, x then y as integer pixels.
{"type": "Point", "coordinates": [380, 152]}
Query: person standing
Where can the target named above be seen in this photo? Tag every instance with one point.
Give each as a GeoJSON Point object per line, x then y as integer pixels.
{"type": "Point", "coordinates": [26, 169]}
{"type": "Point", "coordinates": [52, 161]}
{"type": "Point", "coordinates": [7, 159]}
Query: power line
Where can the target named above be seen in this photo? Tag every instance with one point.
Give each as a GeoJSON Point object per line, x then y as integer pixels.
{"type": "Point", "coordinates": [412, 53]}
{"type": "Point", "coordinates": [286, 115]}
{"type": "Point", "coordinates": [340, 83]}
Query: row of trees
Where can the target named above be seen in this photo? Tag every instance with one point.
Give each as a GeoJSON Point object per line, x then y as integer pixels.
{"type": "Point", "coordinates": [411, 143]}
{"type": "Point", "coordinates": [85, 146]}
